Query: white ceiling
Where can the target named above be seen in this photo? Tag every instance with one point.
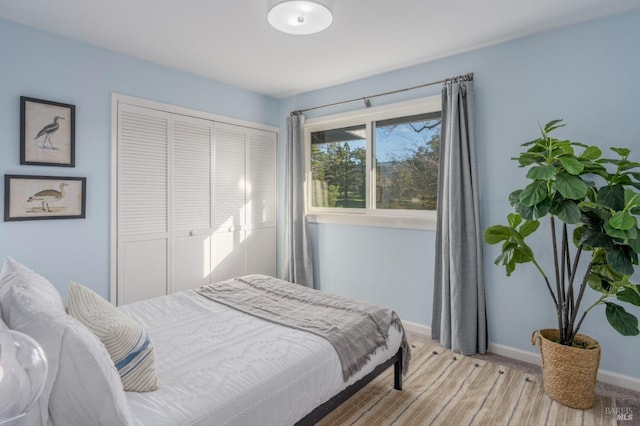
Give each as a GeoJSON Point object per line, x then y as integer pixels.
{"type": "Point", "coordinates": [231, 41]}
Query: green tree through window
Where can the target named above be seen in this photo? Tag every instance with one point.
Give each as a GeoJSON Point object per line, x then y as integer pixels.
{"type": "Point", "coordinates": [389, 164]}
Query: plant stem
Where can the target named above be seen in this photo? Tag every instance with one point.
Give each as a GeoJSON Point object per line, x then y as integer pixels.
{"type": "Point", "coordinates": [546, 280]}
{"type": "Point", "coordinates": [583, 285]}
{"type": "Point", "coordinates": [559, 292]}
{"type": "Point", "coordinates": [566, 273]}
{"type": "Point", "coordinates": [584, 314]}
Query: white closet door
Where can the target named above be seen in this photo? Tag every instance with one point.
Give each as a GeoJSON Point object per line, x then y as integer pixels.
{"type": "Point", "coordinates": [229, 202]}
{"type": "Point", "coordinates": [191, 142]}
{"type": "Point", "coordinates": [261, 202]}
{"type": "Point", "coordinates": [261, 178]}
{"type": "Point", "coordinates": [143, 217]}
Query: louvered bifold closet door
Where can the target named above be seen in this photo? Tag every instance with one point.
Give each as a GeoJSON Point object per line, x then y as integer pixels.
{"type": "Point", "coordinates": [191, 143]}
{"type": "Point", "coordinates": [261, 202]}
{"type": "Point", "coordinates": [229, 202]}
{"type": "Point", "coordinates": [142, 203]}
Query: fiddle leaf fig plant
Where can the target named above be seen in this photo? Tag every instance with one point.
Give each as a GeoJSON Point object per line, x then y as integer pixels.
{"type": "Point", "coordinates": [592, 205]}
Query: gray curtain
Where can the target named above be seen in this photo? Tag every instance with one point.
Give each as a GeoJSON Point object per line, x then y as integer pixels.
{"type": "Point", "coordinates": [459, 316]}
{"type": "Point", "coordinates": [298, 267]}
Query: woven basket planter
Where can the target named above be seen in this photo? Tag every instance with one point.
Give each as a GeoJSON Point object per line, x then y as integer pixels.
{"type": "Point", "coordinates": [569, 374]}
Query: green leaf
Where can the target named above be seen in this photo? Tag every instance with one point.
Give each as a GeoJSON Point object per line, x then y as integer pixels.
{"type": "Point", "coordinates": [592, 238]}
{"type": "Point", "coordinates": [619, 260]}
{"type": "Point", "coordinates": [630, 294]}
{"type": "Point", "coordinates": [528, 158]}
{"type": "Point", "coordinates": [571, 165]}
{"type": "Point", "coordinates": [623, 234]}
{"type": "Point", "coordinates": [567, 211]}
{"type": "Point", "coordinates": [522, 255]}
{"type": "Point", "coordinates": [624, 323]}
{"type": "Point", "coordinates": [534, 193]}
{"type": "Point", "coordinates": [570, 186]}
{"type": "Point", "coordinates": [552, 125]}
{"type": "Point", "coordinates": [596, 283]}
{"type": "Point", "coordinates": [541, 209]}
{"type": "Point", "coordinates": [514, 198]}
{"type": "Point", "coordinates": [612, 197]}
{"type": "Point", "coordinates": [530, 143]}
{"type": "Point", "coordinates": [623, 221]}
{"type": "Point", "coordinates": [514, 219]}
{"type": "Point", "coordinates": [634, 243]}
{"type": "Point", "coordinates": [631, 198]}
{"type": "Point", "coordinates": [495, 234]}
{"type": "Point", "coordinates": [505, 257]}
{"type": "Point", "coordinates": [534, 212]}
{"type": "Point", "coordinates": [541, 172]}
{"type": "Point", "coordinates": [528, 228]}
{"type": "Point", "coordinates": [622, 152]}
{"type": "Point", "coordinates": [591, 153]}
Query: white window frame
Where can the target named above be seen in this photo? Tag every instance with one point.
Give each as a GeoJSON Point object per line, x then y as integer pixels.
{"type": "Point", "coordinates": [368, 216]}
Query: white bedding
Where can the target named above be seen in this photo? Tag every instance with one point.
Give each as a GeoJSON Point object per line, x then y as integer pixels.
{"type": "Point", "coordinates": [218, 366]}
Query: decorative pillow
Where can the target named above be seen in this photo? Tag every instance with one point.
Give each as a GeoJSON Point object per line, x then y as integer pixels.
{"type": "Point", "coordinates": [126, 341]}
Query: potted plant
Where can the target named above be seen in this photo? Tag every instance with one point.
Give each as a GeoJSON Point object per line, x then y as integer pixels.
{"type": "Point", "coordinates": [592, 205]}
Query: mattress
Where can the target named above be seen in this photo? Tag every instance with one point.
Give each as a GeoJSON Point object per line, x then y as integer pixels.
{"type": "Point", "coordinates": [218, 366]}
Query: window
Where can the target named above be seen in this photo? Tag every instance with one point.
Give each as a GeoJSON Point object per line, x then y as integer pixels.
{"type": "Point", "coordinates": [338, 167]}
{"type": "Point", "coordinates": [377, 166]}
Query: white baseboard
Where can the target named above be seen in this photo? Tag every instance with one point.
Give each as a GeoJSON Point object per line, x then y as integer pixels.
{"type": "Point", "coordinates": [417, 328]}
{"type": "Point", "coordinates": [604, 376]}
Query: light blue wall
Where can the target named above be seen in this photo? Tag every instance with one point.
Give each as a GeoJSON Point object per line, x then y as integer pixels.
{"type": "Point", "coordinates": [586, 74]}
{"type": "Point", "coordinates": [45, 66]}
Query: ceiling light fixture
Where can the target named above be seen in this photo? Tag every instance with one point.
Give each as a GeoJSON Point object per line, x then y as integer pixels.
{"type": "Point", "coordinates": [300, 16]}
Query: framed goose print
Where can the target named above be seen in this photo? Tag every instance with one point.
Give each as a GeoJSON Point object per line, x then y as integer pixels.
{"type": "Point", "coordinates": [44, 197]}
{"type": "Point", "coordinates": [47, 133]}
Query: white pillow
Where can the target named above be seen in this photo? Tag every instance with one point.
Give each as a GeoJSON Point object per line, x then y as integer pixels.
{"type": "Point", "coordinates": [87, 389]}
{"type": "Point", "coordinates": [83, 386]}
{"type": "Point", "coordinates": [82, 383]}
{"type": "Point", "coordinates": [25, 314]}
{"type": "Point", "coordinates": [3, 326]}
{"type": "Point", "coordinates": [14, 274]}
{"type": "Point", "coordinates": [127, 342]}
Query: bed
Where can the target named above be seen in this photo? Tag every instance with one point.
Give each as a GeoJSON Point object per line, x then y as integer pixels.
{"type": "Point", "coordinates": [215, 363]}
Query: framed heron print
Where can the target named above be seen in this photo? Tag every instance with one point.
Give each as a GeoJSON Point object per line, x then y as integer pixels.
{"type": "Point", "coordinates": [47, 133]}
{"type": "Point", "coordinates": [44, 197]}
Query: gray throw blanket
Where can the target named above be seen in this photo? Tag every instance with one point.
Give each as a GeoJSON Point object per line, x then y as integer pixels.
{"type": "Point", "coordinates": [355, 329]}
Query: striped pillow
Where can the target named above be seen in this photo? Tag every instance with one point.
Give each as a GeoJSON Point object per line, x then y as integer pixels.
{"type": "Point", "coordinates": [126, 341]}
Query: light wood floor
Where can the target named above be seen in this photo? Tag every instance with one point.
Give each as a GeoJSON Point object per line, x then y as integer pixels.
{"type": "Point", "coordinates": [625, 398]}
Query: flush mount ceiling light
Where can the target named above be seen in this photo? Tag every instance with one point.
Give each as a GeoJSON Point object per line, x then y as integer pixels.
{"type": "Point", "coordinates": [300, 16]}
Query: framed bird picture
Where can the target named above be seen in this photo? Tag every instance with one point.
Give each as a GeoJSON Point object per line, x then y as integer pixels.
{"type": "Point", "coordinates": [47, 133]}
{"type": "Point", "coordinates": [44, 197]}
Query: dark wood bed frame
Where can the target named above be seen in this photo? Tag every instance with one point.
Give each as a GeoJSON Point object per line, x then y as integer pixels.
{"type": "Point", "coordinates": [321, 411]}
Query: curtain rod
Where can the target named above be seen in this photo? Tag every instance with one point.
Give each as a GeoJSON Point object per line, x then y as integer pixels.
{"type": "Point", "coordinates": [367, 103]}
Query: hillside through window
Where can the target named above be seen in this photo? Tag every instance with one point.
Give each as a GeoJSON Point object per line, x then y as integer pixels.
{"type": "Point", "coordinates": [407, 153]}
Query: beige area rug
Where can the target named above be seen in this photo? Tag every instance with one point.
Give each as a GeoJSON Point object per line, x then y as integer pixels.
{"type": "Point", "coordinates": [443, 388]}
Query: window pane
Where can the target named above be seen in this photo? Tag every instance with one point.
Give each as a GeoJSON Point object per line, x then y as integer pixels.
{"type": "Point", "coordinates": [338, 167]}
{"type": "Point", "coordinates": [407, 153]}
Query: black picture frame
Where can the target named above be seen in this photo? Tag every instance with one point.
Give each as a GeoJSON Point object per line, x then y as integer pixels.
{"type": "Point", "coordinates": [28, 197]}
{"type": "Point", "coordinates": [47, 133]}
